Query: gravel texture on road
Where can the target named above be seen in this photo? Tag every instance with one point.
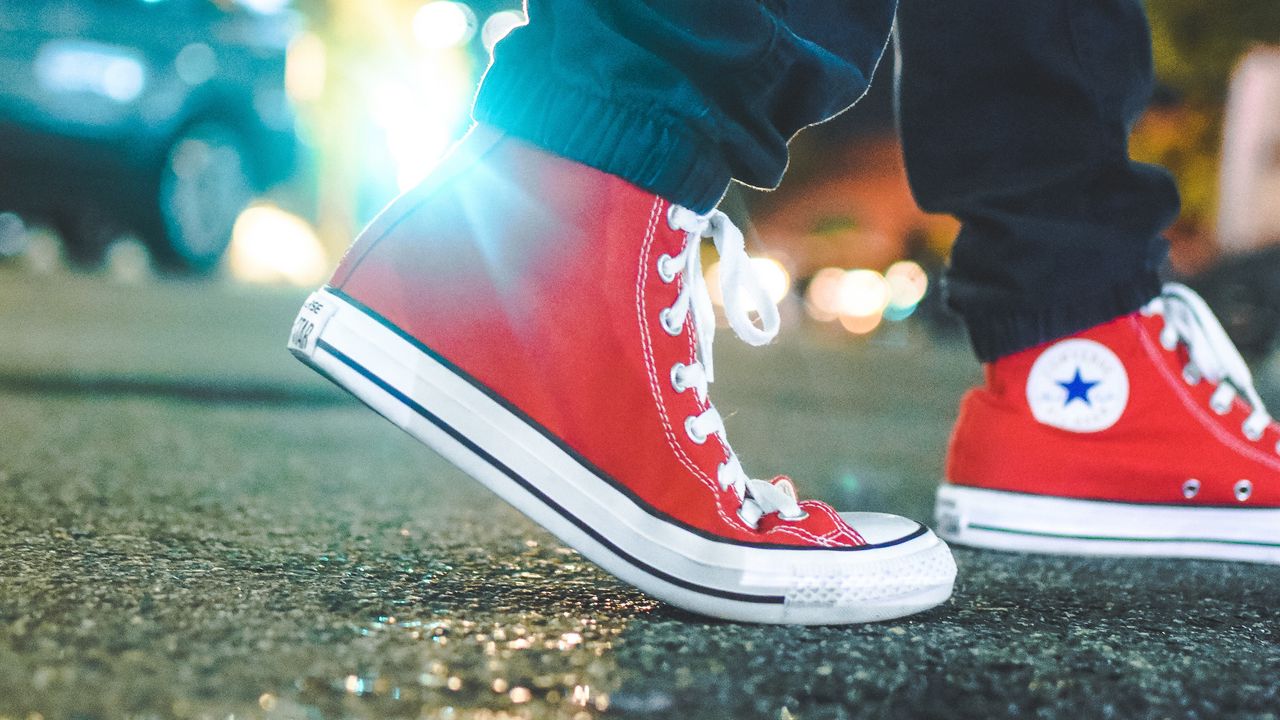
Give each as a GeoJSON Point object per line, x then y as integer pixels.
{"type": "Point", "coordinates": [191, 526]}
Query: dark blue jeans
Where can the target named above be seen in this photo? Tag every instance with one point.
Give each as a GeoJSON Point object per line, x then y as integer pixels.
{"type": "Point", "coordinates": [1014, 118]}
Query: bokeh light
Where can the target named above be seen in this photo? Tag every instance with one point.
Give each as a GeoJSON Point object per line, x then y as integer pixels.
{"type": "Point", "coordinates": [862, 293]}
{"type": "Point", "coordinates": [822, 298]}
{"type": "Point", "coordinates": [444, 24]}
{"type": "Point", "coordinates": [861, 300]}
{"type": "Point", "coordinates": [861, 325]}
{"type": "Point", "coordinates": [305, 72]}
{"type": "Point", "coordinates": [908, 283]}
{"type": "Point", "coordinates": [772, 275]}
{"type": "Point", "coordinates": [270, 245]}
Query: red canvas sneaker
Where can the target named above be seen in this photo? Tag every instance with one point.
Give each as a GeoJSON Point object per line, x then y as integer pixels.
{"type": "Point", "coordinates": [1141, 436]}
{"type": "Point", "coordinates": [546, 327]}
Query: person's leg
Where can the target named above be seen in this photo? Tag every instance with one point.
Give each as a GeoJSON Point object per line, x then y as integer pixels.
{"type": "Point", "coordinates": [1015, 118]}
{"type": "Point", "coordinates": [536, 310]}
{"type": "Point", "coordinates": [676, 96]}
{"type": "Point", "coordinates": [1116, 417]}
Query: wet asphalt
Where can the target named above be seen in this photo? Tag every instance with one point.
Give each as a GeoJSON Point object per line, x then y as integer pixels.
{"type": "Point", "coordinates": [191, 525]}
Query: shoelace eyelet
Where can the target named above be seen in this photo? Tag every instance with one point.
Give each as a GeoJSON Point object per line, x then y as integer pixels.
{"type": "Point", "coordinates": [1220, 409]}
{"type": "Point", "coordinates": [1190, 488]}
{"type": "Point", "coordinates": [664, 318]}
{"type": "Point", "coordinates": [797, 518]}
{"type": "Point", "coordinates": [1190, 375]}
{"type": "Point", "coordinates": [668, 276]}
{"type": "Point", "coordinates": [1243, 490]}
{"type": "Point", "coordinates": [1253, 436]}
{"type": "Point", "coordinates": [693, 434]}
{"type": "Point", "coordinates": [677, 379]}
{"type": "Point", "coordinates": [753, 525]}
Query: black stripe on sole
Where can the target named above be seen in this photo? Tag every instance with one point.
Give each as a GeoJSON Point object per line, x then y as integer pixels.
{"type": "Point", "coordinates": [532, 490]}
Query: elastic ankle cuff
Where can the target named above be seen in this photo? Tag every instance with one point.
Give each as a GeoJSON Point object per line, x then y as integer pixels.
{"type": "Point", "coordinates": [645, 146]}
{"type": "Point", "coordinates": [996, 333]}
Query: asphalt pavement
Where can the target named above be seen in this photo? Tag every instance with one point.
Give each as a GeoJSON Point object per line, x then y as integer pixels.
{"type": "Point", "coordinates": [192, 525]}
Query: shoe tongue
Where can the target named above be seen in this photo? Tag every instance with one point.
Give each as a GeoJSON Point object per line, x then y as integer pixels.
{"type": "Point", "coordinates": [786, 485]}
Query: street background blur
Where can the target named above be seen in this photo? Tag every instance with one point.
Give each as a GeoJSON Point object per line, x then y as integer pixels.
{"type": "Point", "coordinates": [249, 140]}
{"type": "Point", "coordinates": [194, 525]}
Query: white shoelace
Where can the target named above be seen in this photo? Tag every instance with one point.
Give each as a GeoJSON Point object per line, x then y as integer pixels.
{"type": "Point", "coordinates": [743, 293]}
{"type": "Point", "coordinates": [1212, 355]}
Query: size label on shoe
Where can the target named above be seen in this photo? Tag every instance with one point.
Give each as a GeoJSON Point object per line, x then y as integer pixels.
{"type": "Point", "coordinates": [1078, 385]}
{"type": "Point", "coordinates": [315, 312]}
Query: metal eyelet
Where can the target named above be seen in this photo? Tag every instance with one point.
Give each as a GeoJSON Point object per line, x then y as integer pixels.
{"type": "Point", "coordinates": [677, 382]}
{"type": "Point", "coordinates": [1190, 488]}
{"type": "Point", "coordinates": [1220, 410]}
{"type": "Point", "coordinates": [667, 277]}
{"type": "Point", "coordinates": [1253, 436]}
{"type": "Point", "coordinates": [802, 516]}
{"type": "Point", "coordinates": [693, 434]}
{"type": "Point", "coordinates": [753, 525]}
{"type": "Point", "coordinates": [671, 217]}
{"type": "Point", "coordinates": [1243, 490]}
{"type": "Point", "coordinates": [664, 318]}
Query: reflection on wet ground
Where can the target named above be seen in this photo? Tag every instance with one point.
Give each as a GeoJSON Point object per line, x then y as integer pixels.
{"type": "Point", "coordinates": [218, 535]}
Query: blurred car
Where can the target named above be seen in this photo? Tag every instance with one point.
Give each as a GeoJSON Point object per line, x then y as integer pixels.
{"type": "Point", "coordinates": [160, 117]}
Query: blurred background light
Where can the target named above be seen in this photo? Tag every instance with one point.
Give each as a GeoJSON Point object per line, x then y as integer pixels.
{"type": "Point", "coordinates": [420, 120]}
{"type": "Point", "coordinates": [822, 297]}
{"type": "Point", "coordinates": [908, 283]}
{"type": "Point", "coordinates": [861, 325]}
{"type": "Point", "coordinates": [76, 66]}
{"type": "Point", "coordinates": [270, 245]}
{"type": "Point", "coordinates": [196, 63]}
{"type": "Point", "coordinates": [444, 24]}
{"type": "Point", "coordinates": [862, 293]}
{"type": "Point", "coordinates": [772, 275]}
{"type": "Point", "coordinates": [499, 25]}
{"type": "Point", "coordinates": [264, 7]}
{"type": "Point", "coordinates": [305, 71]}
{"type": "Point", "coordinates": [862, 298]}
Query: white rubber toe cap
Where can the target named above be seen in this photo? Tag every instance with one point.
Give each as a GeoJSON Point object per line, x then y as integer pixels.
{"type": "Point", "coordinates": [880, 528]}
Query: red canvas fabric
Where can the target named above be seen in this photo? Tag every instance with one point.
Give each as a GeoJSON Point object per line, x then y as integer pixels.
{"type": "Point", "coordinates": [536, 276]}
{"type": "Point", "coordinates": [1167, 435]}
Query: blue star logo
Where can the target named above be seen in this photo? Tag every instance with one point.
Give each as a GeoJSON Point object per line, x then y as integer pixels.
{"type": "Point", "coordinates": [1077, 389]}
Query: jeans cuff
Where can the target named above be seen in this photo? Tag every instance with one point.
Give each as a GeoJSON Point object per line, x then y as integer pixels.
{"type": "Point", "coordinates": [643, 145]}
{"type": "Point", "coordinates": [996, 333]}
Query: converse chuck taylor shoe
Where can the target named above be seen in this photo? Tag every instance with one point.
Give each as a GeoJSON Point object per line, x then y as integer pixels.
{"type": "Point", "coordinates": [1141, 436]}
{"type": "Point", "coordinates": [546, 327]}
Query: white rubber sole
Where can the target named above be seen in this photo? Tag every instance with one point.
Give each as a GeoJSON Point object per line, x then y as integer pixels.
{"type": "Point", "coordinates": [1040, 524]}
{"type": "Point", "coordinates": [404, 382]}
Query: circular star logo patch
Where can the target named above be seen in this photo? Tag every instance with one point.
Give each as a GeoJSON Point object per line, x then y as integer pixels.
{"type": "Point", "coordinates": [1078, 385]}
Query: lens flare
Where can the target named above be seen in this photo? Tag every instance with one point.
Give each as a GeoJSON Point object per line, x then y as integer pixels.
{"type": "Point", "coordinates": [443, 24]}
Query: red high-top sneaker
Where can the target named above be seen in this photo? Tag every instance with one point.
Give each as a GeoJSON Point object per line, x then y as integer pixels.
{"type": "Point", "coordinates": [1141, 436]}
{"type": "Point", "coordinates": [546, 327]}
